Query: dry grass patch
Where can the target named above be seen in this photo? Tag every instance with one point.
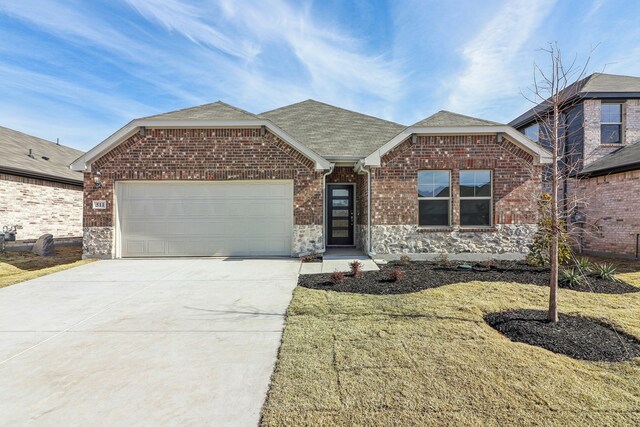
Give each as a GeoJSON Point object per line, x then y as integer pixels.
{"type": "Point", "coordinates": [429, 358]}
{"type": "Point", "coordinates": [18, 266]}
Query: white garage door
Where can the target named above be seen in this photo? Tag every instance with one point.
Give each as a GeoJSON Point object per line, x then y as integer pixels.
{"type": "Point", "coordinates": [176, 218]}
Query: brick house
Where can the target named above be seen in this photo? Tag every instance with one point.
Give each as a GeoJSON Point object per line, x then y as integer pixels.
{"type": "Point", "coordinates": [38, 192]}
{"type": "Point", "coordinates": [602, 116]}
{"type": "Point", "coordinates": [611, 187]}
{"type": "Point", "coordinates": [217, 180]}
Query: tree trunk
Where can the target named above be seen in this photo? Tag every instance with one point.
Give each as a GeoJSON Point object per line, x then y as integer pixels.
{"type": "Point", "coordinates": [555, 226]}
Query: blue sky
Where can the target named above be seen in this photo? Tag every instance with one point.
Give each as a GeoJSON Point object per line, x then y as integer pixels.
{"type": "Point", "coordinates": [79, 70]}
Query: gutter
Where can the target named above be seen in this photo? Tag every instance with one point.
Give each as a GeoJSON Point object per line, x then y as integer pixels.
{"type": "Point", "coordinates": [44, 177]}
{"type": "Point", "coordinates": [360, 168]}
{"type": "Point", "coordinates": [324, 206]}
{"type": "Point", "coordinates": [609, 171]}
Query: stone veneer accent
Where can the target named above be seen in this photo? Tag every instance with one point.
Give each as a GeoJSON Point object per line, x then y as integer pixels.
{"type": "Point", "coordinates": [410, 239]}
{"type": "Point", "coordinates": [39, 207]}
{"type": "Point", "coordinates": [306, 239]}
{"type": "Point", "coordinates": [361, 237]}
{"type": "Point", "coordinates": [97, 242]}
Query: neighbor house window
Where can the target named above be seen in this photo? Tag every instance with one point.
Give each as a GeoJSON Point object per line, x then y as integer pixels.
{"type": "Point", "coordinates": [611, 123]}
{"type": "Point", "coordinates": [533, 132]}
{"type": "Point", "coordinates": [476, 198]}
{"type": "Point", "coordinates": [434, 198]}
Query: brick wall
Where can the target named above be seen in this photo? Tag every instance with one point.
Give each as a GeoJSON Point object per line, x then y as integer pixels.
{"type": "Point", "coordinates": [205, 154]}
{"type": "Point", "coordinates": [40, 207]}
{"type": "Point", "coordinates": [612, 213]}
{"type": "Point", "coordinates": [516, 182]}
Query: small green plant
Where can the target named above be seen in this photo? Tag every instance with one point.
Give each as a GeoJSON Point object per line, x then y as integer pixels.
{"type": "Point", "coordinates": [337, 277]}
{"type": "Point", "coordinates": [356, 268]}
{"type": "Point", "coordinates": [539, 250]}
{"type": "Point", "coordinates": [404, 260]}
{"type": "Point", "coordinates": [606, 271]}
{"type": "Point", "coordinates": [572, 276]}
{"type": "Point", "coordinates": [396, 275]}
{"type": "Point", "coordinates": [584, 264]}
{"type": "Point", "coordinates": [443, 259]}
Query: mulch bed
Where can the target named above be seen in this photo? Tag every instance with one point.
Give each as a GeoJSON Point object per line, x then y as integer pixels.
{"type": "Point", "coordinates": [421, 275]}
{"type": "Point", "coordinates": [574, 336]}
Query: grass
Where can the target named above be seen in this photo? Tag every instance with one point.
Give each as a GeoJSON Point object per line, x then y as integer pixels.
{"type": "Point", "coordinates": [18, 266]}
{"type": "Point", "coordinates": [428, 358]}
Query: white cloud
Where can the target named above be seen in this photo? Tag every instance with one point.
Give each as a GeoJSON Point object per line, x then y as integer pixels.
{"type": "Point", "coordinates": [494, 65]}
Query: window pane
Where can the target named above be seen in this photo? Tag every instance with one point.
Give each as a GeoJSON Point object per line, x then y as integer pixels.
{"type": "Point", "coordinates": [340, 223]}
{"type": "Point", "coordinates": [433, 184]}
{"type": "Point", "coordinates": [339, 233]}
{"type": "Point", "coordinates": [433, 212]}
{"type": "Point", "coordinates": [475, 212]}
{"type": "Point", "coordinates": [340, 192]}
{"type": "Point", "coordinates": [340, 202]}
{"type": "Point", "coordinates": [340, 212]}
{"type": "Point", "coordinates": [475, 183]}
{"type": "Point", "coordinates": [611, 113]}
{"type": "Point", "coordinates": [533, 132]}
{"type": "Point", "coordinates": [610, 134]}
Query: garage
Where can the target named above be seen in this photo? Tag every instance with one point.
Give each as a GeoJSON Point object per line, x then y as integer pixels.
{"type": "Point", "coordinates": [204, 218]}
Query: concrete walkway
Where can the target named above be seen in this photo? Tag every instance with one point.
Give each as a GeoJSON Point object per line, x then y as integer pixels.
{"type": "Point", "coordinates": [144, 342]}
{"type": "Point", "coordinates": [338, 259]}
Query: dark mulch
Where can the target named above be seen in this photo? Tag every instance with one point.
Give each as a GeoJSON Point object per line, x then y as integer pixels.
{"type": "Point", "coordinates": [421, 275]}
{"type": "Point", "coordinates": [574, 336]}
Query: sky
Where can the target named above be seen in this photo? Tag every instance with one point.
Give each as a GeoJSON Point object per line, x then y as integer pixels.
{"type": "Point", "coordinates": [80, 70]}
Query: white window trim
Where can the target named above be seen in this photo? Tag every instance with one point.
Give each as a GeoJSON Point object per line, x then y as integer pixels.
{"type": "Point", "coordinates": [620, 123]}
{"type": "Point", "coordinates": [537, 125]}
{"type": "Point", "coordinates": [436, 198]}
{"type": "Point", "coordinates": [489, 197]}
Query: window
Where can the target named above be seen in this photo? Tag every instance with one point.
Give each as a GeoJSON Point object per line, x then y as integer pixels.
{"type": "Point", "coordinates": [611, 123]}
{"type": "Point", "coordinates": [475, 198]}
{"type": "Point", "coordinates": [533, 132]}
{"type": "Point", "coordinates": [434, 198]}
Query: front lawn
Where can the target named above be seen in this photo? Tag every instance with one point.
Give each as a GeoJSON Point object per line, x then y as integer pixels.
{"type": "Point", "coordinates": [429, 358]}
{"type": "Point", "coordinates": [18, 266]}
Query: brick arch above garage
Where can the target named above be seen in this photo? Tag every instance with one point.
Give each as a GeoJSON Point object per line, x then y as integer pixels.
{"type": "Point", "coordinates": [212, 154]}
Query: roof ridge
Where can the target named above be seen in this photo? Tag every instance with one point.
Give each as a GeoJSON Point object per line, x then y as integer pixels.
{"type": "Point", "coordinates": [338, 108]}
{"type": "Point", "coordinates": [218, 102]}
{"type": "Point", "coordinates": [467, 116]}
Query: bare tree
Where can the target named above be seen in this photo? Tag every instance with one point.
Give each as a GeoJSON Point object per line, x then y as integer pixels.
{"type": "Point", "coordinates": [554, 93]}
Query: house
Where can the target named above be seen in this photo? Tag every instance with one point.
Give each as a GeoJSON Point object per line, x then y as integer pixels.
{"type": "Point", "coordinates": [611, 185]}
{"type": "Point", "coordinates": [218, 180]}
{"type": "Point", "coordinates": [38, 192]}
{"type": "Point", "coordinates": [602, 115]}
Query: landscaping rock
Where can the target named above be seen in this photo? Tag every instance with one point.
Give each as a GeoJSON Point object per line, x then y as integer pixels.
{"type": "Point", "coordinates": [44, 245]}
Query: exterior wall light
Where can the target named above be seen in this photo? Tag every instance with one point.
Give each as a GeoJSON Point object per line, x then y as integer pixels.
{"type": "Point", "coordinates": [96, 179]}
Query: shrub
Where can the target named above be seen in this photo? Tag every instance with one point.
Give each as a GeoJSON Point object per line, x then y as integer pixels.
{"type": "Point", "coordinates": [539, 251]}
{"type": "Point", "coordinates": [404, 260]}
{"type": "Point", "coordinates": [606, 271]}
{"type": "Point", "coordinates": [356, 268]}
{"type": "Point", "coordinates": [443, 259]}
{"type": "Point", "coordinates": [584, 265]}
{"type": "Point", "coordinates": [312, 257]}
{"type": "Point", "coordinates": [337, 277]}
{"type": "Point", "coordinates": [572, 276]}
{"type": "Point", "coordinates": [396, 275]}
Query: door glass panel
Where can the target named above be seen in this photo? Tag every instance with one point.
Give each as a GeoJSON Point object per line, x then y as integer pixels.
{"type": "Point", "coordinates": [340, 223]}
{"type": "Point", "coordinates": [339, 192]}
{"type": "Point", "coordinates": [340, 213]}
{"type": "Point", "coordinates": [340, 202]}
{"type": "Point", "coordinates": [339, 233]}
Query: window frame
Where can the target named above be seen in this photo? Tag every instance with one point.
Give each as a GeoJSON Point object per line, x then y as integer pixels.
{"type": "Point", "coordinates": [489, 197]}
{"type": "Point", "coordinates": [619, 124]}
{"type": "Point", "coordinates": [449, 199]}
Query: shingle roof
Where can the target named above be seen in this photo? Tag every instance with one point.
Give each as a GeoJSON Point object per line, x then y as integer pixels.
{"type": "Point", "coordinates": [591, 86]}
{"type": "Point", "coordinates": [14, 156]}
{"type": "Point", "coordinates": [214, 111]}
{"type": "Point", "coordinates": [333, 131]}
{"type": "Point", "coordinates": [623, 159]}
{"type": "Point", "coordinates": [449, 119]}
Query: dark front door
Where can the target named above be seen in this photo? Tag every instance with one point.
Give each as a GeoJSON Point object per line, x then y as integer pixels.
{"type": "Point", "coordinates": [340, 218]}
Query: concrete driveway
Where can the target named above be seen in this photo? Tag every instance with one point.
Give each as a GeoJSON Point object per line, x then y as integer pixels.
{"type": "Point", "coordinates": [151, 342]}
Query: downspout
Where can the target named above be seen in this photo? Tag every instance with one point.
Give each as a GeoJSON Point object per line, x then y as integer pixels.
{"type": "Point", "coordinates": [324, 206]}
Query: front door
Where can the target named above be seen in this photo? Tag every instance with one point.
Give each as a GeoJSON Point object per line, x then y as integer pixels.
{"type": "Point", "coordinates": [340, 218]}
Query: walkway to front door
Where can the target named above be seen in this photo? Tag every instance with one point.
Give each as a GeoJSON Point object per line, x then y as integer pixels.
{"type": "Point", "coordinates": [340, 218]}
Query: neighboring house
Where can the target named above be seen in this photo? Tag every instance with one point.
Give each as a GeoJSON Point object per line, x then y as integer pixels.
{"type": "Point", "coordinates": [611, 187]}
{"type": "Point", "coordinates": [38, 192]}
{"type": "Point", "coordinates": [602, 115]}
{"type": "Point", "coordinates": [217, 180]}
